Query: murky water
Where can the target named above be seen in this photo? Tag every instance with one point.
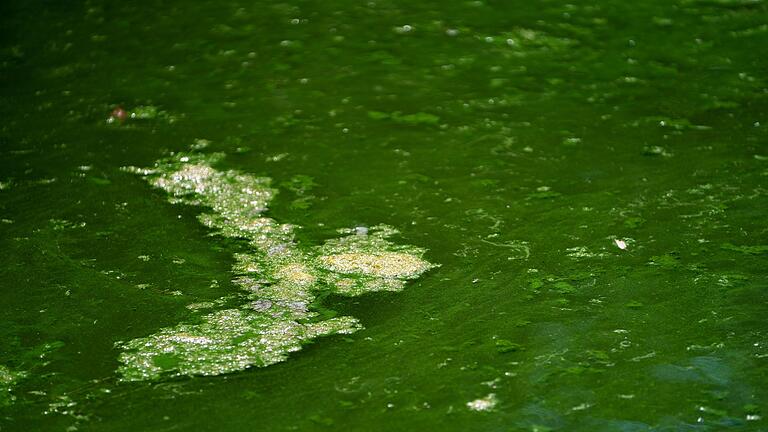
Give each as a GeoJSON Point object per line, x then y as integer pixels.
{"type": "Point", "coordinates": [498, 216]}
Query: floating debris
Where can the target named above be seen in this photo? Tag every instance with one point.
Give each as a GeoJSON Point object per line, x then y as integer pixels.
{"type": "Point", "coordinates": [279, 279]}
{"type": "Point", "coordinates": [385, 265]}
{"type": "Point", "coordinates": [487, 403]}
{"type": "Point", "coordinates": [120, 115]}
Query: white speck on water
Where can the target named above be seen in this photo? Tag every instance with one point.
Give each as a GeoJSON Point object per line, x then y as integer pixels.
{"type": "Point", "coordinates": [277, 157]}
{"type": "Point", "coordinates": [581, 407]}
{"type": "Point", "coordinates": [621, 244]}
{"type": "Point", "coordinates": [487, 403]}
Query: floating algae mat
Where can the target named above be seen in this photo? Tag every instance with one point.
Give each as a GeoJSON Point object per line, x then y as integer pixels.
{"type": "Point", "coordinates": [280, 279]}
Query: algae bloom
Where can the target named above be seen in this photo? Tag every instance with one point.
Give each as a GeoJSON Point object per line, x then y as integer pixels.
{"type": "Point", "coordinates": [278, 278]}
{"type": "Point", "coordinates": [385, 265]}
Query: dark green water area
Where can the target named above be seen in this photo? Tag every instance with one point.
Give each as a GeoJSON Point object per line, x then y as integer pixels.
{"type": "Point", "coordinates": [384, 215]}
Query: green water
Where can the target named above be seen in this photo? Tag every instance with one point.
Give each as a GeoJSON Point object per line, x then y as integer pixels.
{"type": "Point", "coordinates": [517, 143]}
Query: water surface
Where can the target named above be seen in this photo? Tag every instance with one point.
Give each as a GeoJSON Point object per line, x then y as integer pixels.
{"type": "Point", "coordinates": [519, 144]}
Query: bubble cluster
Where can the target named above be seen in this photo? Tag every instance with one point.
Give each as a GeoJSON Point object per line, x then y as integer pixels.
{"type": "Point", "coordinates": [279, 279]}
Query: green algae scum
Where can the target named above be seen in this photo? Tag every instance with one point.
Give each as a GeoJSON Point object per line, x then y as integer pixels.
{"type": "Point", "coordinates": [384, 216]}
{"type": "Point", "coordinates": [281, 280]}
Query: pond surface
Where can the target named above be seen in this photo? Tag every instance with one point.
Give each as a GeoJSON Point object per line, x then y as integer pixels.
{"type": "Point", "coordinates": [472, 215]}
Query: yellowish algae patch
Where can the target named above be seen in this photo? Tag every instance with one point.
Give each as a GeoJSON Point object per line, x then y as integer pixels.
{"type": "Point", "coordinates": [385, 265]}
{"type": "Point", "coordinates": [365, 261]}
{"type": "Point", "coordinates": [278, 280]}
{"type": "Point", "coordinates": [295, 274]}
